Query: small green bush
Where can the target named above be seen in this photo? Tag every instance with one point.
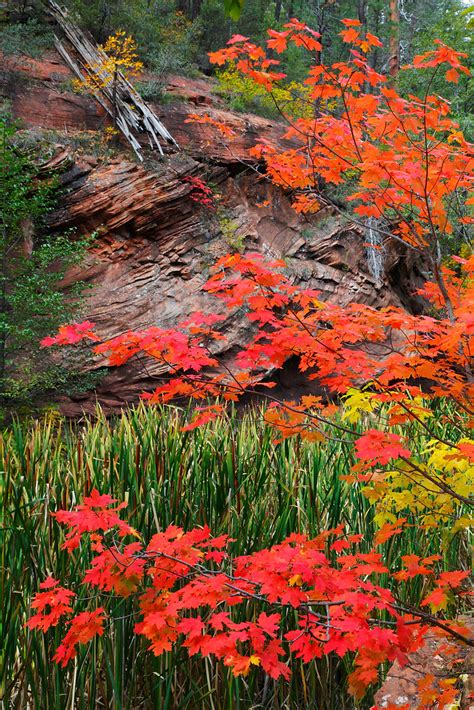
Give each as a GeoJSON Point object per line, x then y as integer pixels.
{"type": "Point", "coordinates": [31, 37]}
{"type": "Point", "coordinates": [32, 265]}
{"type": "Point", "coordinates": [244, 94]}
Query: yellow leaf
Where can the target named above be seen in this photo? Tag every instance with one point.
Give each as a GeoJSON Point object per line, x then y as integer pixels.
{"type": "Point", "coordinates": [356, 402]}
{"type": "Point", "coordinates": [295, 581]}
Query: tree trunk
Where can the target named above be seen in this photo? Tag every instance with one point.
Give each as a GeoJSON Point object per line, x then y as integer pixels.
{"type": "Point", "coordinates": [375, 54]}
{"type": "Point", "coordinates": [190, 8]}
{"type": "Point", "coordinates": [114, 97]}
{"type": "Point", "coordinates": [394, 60]}
{"type": "Point", "coordinates": [196, 8]}
{"type": "Point", "coordinates": [278, 10]}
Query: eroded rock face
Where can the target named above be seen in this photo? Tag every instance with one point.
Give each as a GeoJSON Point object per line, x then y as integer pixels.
{"type": "Point", "coordinates": [155, 244]}
{"type": "Point", "coordinates": [435, 668]}
{"type": "Point", "coordinates": [40, 94]}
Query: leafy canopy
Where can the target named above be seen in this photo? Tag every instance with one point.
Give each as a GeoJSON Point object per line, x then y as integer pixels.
{"type": "Point", "coordinates": [119, 54]}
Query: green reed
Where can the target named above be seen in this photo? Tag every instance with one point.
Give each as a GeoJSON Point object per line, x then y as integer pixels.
{"type": "Point", "coordinates": [230, 475]}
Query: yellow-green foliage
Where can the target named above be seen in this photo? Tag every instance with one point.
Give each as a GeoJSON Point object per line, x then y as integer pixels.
{"type": "Point", "coordinates": [402, 490]}
{"type": "Point", "coordinates": [175, 30]}
{"type": "Point", "coordinates": [415, 485]}
{"type": "Point", "coordinates": [119, 55]}
{"type": "Point", "coordinates": [245, 94]}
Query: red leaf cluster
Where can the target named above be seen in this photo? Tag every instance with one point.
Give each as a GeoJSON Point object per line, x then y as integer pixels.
{"type": "Point", "coordinates": [187, 589]}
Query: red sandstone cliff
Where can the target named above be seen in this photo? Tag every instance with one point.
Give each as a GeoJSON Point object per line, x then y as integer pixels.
{"type": "Point", "coordinates": [155, 244]}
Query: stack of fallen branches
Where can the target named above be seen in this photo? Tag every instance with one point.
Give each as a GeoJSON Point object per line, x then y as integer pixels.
{"type": "Point", "coordinates": [130, 113]}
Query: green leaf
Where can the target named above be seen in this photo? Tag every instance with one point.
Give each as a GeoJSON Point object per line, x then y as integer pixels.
{"type": "Point", "coordinates": [234, 8]}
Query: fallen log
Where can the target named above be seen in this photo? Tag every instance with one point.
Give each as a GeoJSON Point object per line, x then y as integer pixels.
{"type": "Point", "coordinates": [124, 104]}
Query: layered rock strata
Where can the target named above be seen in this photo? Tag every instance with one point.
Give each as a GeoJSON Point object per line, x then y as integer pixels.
{"type": "Point", "coordinates": [155, 244]}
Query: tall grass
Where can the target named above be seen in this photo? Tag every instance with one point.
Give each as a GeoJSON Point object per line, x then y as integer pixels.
{"type": "Point", "coordinates": [229, 475]}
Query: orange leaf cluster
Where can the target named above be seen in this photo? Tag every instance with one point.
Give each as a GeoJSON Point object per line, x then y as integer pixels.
{"type": "Point", "coordinates": [407, 156]}
{"type": "Point", "coordinates": [332, 343]}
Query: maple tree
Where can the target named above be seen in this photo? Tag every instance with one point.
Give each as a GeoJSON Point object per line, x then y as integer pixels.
{"type": "Point", "coordinates": [186, 587]}
{"type": "Point", "coordinates": [200, 193]}
{"type": "Point", "coordinates": [406, 161]}
{"type": "Point", "coordinates": [185, 584]}
{"type": "Point", "coordinates": [404, 384]}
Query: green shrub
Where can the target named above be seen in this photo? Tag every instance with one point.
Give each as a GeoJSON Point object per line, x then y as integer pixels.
{"type": "Point", "coordinates": [30, 37]}
{"type": "Point", "coordinates": [244, 94]}
{"type": "Point", "coordinates": [32, 264]}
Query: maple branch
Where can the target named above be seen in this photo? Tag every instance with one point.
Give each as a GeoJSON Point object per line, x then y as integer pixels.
{"type": "Point", "coordinates": [439, 484]}
{"type": "Point", "coordinates": [434, 622]}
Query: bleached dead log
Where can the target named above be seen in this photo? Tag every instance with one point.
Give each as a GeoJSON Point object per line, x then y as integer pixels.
{"type": "Point", "coordinates": [122, 102]}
